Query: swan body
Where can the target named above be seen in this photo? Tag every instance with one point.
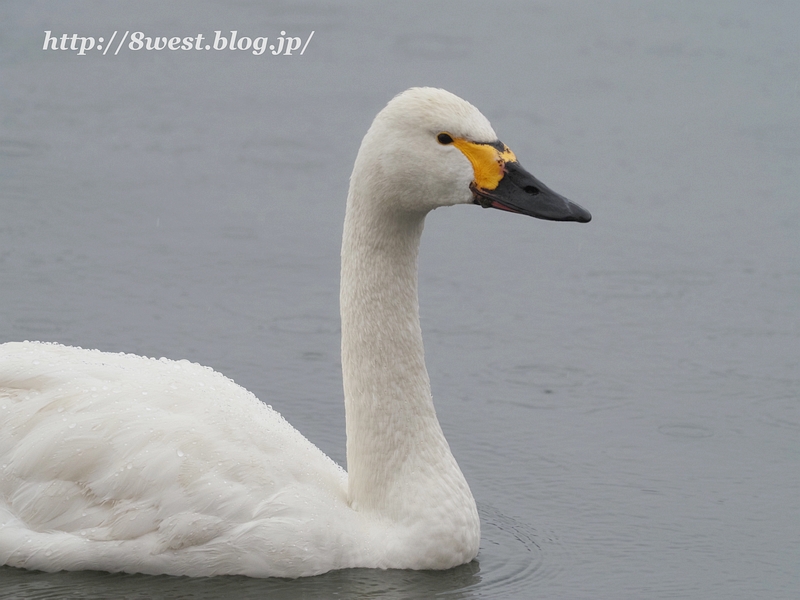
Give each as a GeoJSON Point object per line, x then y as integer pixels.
{"type": "Point", "coordinates": [122, 463]}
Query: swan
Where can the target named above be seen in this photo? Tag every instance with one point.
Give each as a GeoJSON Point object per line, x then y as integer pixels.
{"type": "Point", "coordinates": [117, 462]}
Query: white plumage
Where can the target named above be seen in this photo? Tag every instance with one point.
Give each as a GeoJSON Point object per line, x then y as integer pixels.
{"type": "Point", "coordinates": [119, 462]}
{"type": "Point", "coordinates": [123, 463]}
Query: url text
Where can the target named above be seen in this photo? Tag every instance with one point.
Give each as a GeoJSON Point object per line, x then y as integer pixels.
{"type": "Point", "coordinates": [284, 45]}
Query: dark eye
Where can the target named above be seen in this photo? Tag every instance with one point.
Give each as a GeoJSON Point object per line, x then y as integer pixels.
{"type": "Point", "coordinates": [444, 138]}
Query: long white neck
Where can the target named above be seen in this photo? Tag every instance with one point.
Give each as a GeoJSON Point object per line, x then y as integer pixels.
{"type": "Point", "coordinates": [397, 457]}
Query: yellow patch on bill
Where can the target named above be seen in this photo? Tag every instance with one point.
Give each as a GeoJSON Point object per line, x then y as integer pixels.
{"type": "Point", "coordinates": [487, 161]}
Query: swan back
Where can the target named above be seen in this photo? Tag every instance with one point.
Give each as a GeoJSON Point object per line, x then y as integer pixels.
{"type": "Point", "coordinates": [120, 462]}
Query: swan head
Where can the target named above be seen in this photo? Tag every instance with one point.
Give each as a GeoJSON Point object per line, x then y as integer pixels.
{"type": "Point", "coordinates": [429, 148]}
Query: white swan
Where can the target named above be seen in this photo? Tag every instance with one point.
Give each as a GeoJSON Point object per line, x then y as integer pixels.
{"type": "Point", "coordinates": [122, 463]}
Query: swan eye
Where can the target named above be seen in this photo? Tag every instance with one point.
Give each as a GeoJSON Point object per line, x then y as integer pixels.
{"type": "Point", "coordinates": [444, 138]}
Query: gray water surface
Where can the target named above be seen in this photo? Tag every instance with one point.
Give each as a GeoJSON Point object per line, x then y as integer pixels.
{"type": "Point", "coordinates": [622, 396]}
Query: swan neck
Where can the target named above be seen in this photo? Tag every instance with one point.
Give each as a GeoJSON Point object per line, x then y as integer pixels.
{"type": "Point", "coordinates": [393, 435]}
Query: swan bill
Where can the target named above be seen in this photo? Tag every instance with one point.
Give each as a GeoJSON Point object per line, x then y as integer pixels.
{"type": "Point", "coordinates": [501, 182]}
